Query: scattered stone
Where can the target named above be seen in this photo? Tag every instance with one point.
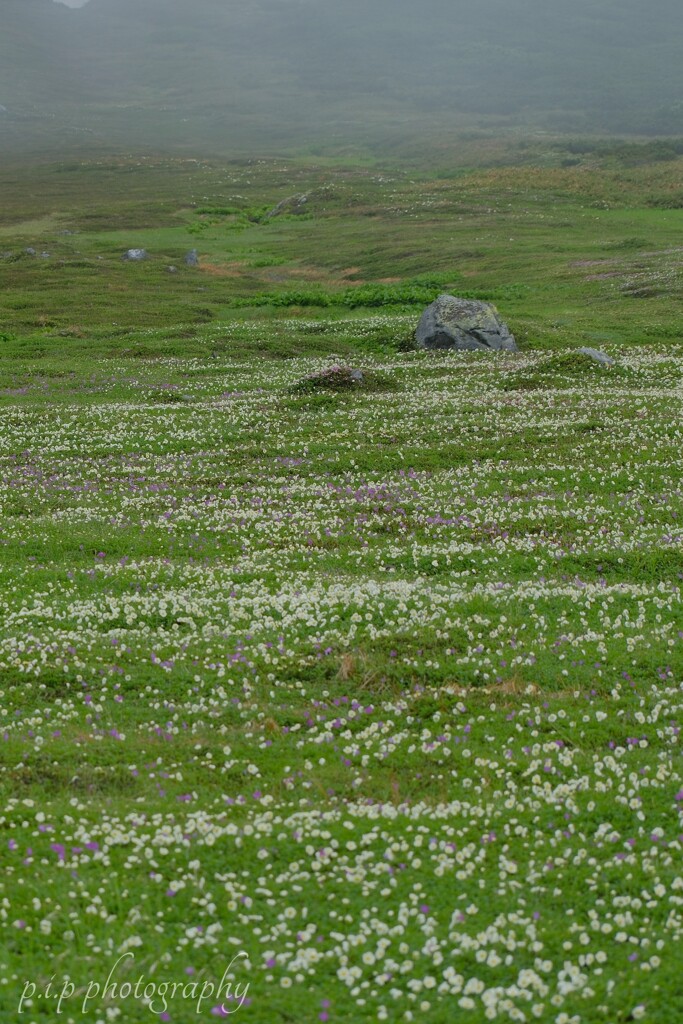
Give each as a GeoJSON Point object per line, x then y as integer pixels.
{"type": "Point", "coordinates": [192, 258]}
{"type": "Point", "coordinates": [597, 355]}
{"type": "Point", "coordinates": [172, 269]}
{"type": "Point", "coordinates": [45, 255]}
{"type": "Point", "coordinates": [135, 255]}
{"type": "Point", "coordinates": [463, 324]}
{"type": "Point", "coordinates": [30, 251]}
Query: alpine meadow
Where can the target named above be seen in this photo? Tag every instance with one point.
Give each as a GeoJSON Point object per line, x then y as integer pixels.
{"type": "Point", "coordinates": [340, 670]}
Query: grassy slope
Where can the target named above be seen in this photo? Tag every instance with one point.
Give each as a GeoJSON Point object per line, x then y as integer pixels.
{"type": "Point", "coordinates": [296, 672]}
{"type": "Point", "coordinates": [608, 240]}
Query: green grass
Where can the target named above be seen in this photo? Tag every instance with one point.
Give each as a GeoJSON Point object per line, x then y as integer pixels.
{"type": "Point", "coordinates": [567, 254]}
{"type": "Point", "coordinates": [377, 682]}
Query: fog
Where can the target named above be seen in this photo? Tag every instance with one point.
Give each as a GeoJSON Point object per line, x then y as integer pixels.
{"type": "Point", "coordinates": [280, 75]}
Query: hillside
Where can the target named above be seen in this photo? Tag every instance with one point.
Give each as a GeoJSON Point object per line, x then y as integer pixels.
{"type": "Point", "coordinates": [335, 671]}
{"type": "Point", "coordinates": [232, 75]}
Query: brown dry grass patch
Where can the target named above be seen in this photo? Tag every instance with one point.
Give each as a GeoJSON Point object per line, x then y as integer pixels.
{"type": "Point", "coordinates": [223, 269]}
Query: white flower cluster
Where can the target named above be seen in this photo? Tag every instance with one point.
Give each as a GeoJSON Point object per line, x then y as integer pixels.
{"type": "Point", "coordinates": [384, 689]}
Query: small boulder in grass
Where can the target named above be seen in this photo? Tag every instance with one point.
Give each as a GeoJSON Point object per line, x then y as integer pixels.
{"type": "Point", "coordinates": [134, 255]}
{"type": "Point", "coordinates": [344, 379]}
{"type": "Point", "coordinates": [333, 378]}
{"type": "Point", "coordinates": [597, 356]}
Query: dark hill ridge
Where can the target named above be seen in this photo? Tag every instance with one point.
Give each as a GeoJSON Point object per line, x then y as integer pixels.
{"type": "Point", "coordinates": [263, 74]}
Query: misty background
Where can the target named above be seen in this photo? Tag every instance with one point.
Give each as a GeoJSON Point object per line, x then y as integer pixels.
{"type": "Point", "coordinates": [267, 76]}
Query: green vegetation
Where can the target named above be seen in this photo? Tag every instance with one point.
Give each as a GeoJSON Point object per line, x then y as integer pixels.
{"type": "Point", "coordinates": [574, 255]}
{"type": "Point", "coordinates": [375, 679]}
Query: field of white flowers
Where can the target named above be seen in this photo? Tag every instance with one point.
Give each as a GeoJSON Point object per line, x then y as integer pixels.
{"type": "Point", "coordinates": [364, 704]}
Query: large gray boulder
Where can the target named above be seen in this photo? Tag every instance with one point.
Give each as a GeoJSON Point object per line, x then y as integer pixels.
{"type": "Point", "coordinates": [463, 324]}
{"type": "Point", "coordinates": [192, 258]}
{"type": "Point", "coordinates": [135, 255]}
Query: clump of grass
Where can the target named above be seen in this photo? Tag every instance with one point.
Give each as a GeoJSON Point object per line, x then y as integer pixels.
{"type": "Point", "coordinates": [633, 242]}
{"type": "Point", "coordinates": [407, 343]}
{"type": "Point", "coordinates": [419, 291]}
{"type": "Point", "coordinates": [564, 369]}
{"type": "Point", "coordinates": [170, 397]}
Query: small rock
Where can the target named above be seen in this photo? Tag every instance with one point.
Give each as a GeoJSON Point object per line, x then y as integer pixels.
{"type": "Point", "coordinates": [333, 378]}
{"type": "Point", "coordinates": [135, 255]}
{"type": "Point", "coordinates": [45, 255]}
{"type": "Point", "coordinates": [192, 258]}
{"type": "Point", "coordinates": [30, 251]}
{"type": "Point", "coordinates": [463, 324]}
{"type": "Point", "coordinates": [597, 355]}
{"type": "Point", "coordinates": [172, 269]}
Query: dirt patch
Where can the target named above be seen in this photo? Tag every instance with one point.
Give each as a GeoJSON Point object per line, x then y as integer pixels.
{"type": "Point", "coordinates": [223, 269]}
